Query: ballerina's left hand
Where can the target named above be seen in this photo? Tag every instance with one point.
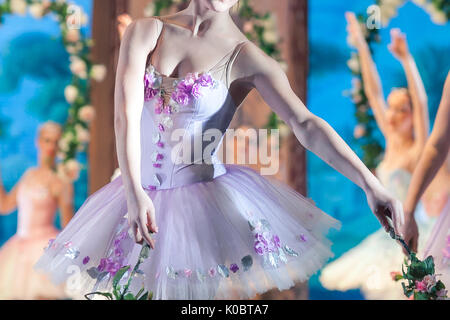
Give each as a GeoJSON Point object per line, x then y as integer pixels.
{"type": "Point", "coordinates": [385, 208]}
{"type": "Point", "coordinates": [410, 233]}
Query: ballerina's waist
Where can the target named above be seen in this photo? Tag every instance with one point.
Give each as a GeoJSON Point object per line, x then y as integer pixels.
{"type": "Point", "coordinates": [183, 174]}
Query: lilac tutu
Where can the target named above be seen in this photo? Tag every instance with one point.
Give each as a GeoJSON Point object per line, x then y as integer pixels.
{"type": "Point", "coordinates": [233, 237]}
{"type": "Point", "coordinates": [224, 230]}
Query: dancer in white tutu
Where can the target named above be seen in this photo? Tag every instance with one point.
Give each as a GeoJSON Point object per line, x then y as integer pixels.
{"type": "Point", "coordinates": [404, 122]}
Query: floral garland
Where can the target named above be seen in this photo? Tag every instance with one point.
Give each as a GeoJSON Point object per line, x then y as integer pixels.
{"type": "Point", "coordinates": [259, 28]}
{"type": "Point", "coordinates": [70, 19]}
{"type": "Point", "coordinates": [439, 11]}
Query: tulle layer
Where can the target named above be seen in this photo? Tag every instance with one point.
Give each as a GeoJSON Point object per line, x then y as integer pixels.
{"type": "Point", "coordinates": [18, 280]}
{"type": "Point", "coordinates": [233, 237]}
{"type": "Point", "coordinates": [438, 245]}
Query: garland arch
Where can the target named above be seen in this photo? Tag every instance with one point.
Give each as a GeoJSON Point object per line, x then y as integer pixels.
{"type": "Point", "coordinates": [70, 19]}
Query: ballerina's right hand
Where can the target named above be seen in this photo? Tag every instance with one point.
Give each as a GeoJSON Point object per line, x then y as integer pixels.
{"type": "Point", "coordinates": [385, 207]}
{"type": "Point", "coordinates": [141, 218]}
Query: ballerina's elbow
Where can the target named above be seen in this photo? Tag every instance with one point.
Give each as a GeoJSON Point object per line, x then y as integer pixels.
{"type": "Point", "coordinates": [305, 128]}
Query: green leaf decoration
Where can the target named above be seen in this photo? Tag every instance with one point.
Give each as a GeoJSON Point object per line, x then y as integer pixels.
{"type": "Point", "coordinates": [129, 296]}
{"type": "Point", "coordinates": [144, 296]}
{"type": "Point", "coordinates": [119, 275]}
{"type": "Point", "coordinates": [104, 294]}
{"type": "Point", "coordinates": [421, 296]}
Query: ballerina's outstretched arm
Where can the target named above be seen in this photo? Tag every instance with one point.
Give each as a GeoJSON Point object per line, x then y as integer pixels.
{"type": "Point", "coordinates": [8, 200]}
{"type": "Point", "coordinates": [419, 100]}
{"type": "Point", "coordinates": [260, 71]}
{"type": "Point", "coordinates": [138, 41]}
{"type": "Point", "coordinates": [433, 157]}
{"type": "Point", "coordinates": [371, 78]}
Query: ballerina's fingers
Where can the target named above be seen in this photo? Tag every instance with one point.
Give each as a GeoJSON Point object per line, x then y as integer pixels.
{"type": "Point", "coordinates": [136, 234]}
{"type": "Point", "coordinates": [398, 216]}
{"type": "Point", "coordinates": [382, 218]}
{"type": "Point", "coordinates": [142, 226]}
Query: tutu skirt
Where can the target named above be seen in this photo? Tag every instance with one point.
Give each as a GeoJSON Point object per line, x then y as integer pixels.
{"type": "Point", "coordinates": [18, 280]}
{"type": "Point", "coordinates": [232, 237]}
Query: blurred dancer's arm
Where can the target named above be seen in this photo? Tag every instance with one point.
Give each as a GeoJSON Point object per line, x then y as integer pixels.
{"type": "Point", "coordinates": [139, 39]}
{"type": "Point", "coordinates": [433, 157]}
{"type": "Point", "coordinates": [419, 100]}
{"type": "Point", "coordinates": [371, 78]}
{"type": "Point", "coordinates": [65, 202]}
{"type": "Point", "coordinates": [124, 20]}
{"type": "Point", "coordinates": [8, 201]}
{"type": "Point", "coordinates": [255, 69]}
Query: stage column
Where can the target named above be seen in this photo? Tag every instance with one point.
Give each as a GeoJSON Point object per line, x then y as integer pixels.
{"type": "Point", "coordinates": [102, 150]}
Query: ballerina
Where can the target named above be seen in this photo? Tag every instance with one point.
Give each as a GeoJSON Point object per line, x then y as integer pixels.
{"type": "Point", "coordinates": [404, 122]}
{"type": "Point", "coordinates": [37, 196]}
{"type": "Point", "coordinates": [432, 159]}
{"type": "Point", "coordinates": [216, 230]}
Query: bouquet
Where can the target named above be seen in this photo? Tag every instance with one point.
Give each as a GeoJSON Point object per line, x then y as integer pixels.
{"type": "Point", "coordinates": [421, 282]}
{"type": "Point", "coordinates": [122, 292]}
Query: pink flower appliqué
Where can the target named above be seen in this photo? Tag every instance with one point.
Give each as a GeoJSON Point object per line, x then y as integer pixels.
{"type": "Point", "coordinates": [191, 87]}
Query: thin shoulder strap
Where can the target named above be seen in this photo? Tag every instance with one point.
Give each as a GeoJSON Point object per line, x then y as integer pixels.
{"type": "Point", "coordinates": [230, 62]}
{"type": "Point", "coordinates": [159, 33]}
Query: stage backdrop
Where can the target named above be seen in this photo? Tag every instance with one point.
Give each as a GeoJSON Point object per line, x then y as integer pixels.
{"type": "Point", "coordinates": [34, 70]}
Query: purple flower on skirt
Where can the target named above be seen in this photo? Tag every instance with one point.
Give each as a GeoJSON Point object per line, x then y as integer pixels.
{"type": "Point", "coordinates": [86, 259]}
{"type": "Point", "coordinates": [276, 241]}
{"type": "Point", "coordinates": [118, 252]}
{"type": "Point", "coordinates": [160, 144]}
{"type": "Point", "coordinates": [157, 165]}
{"type": "Point", "coordinates": [102, 265]}
{"type": "Point", "coordinates": [187, 272]}
{"type": "Point", "coordinates": [160, 127]}
{"type": "Point", "coordinates": [303, 237]}
{"type": "Point", "coordinates": [112, 267]}
{"type": "Point", "coordinates": [260, 247]}
{"type": "Point", "coordinates": [212, 272]}
{"type": "Point", "coordinates": [205, 80]}
{"type": "Point", "coordinates": [234, 267]}
{"type": "Point", "coordinates": [261, 237]}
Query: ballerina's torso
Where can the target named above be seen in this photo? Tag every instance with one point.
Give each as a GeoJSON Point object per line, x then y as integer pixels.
{"type": "Point", "coordinates": [183, 123]}
{"type": "Point", "coordinates": [395, 180]}
{"type": "Point", "coordinates": [436, 196]}
{"type": "Point", "coordinates": [36, 205]}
